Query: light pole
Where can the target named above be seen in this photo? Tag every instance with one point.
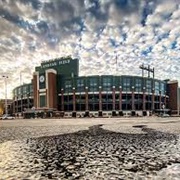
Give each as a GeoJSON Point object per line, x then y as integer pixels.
{"type": "Point", "coordinates": [28, 94]}
{"type": "Point", "coordinates": [5, 82]}
{"type": "Point", "coordinates": [20, 77]}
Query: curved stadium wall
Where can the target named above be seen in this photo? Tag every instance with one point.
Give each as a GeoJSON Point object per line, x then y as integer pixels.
{"type": "Point", "coordinates": [114, 94]}
{"type": "Point", "coordinates": [22, 98]}
{"type": "Point", "coordinates": [99, 95]}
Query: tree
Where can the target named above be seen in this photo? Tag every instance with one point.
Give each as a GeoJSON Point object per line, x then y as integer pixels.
{"type": "Point", "coordinates": [1, 107]}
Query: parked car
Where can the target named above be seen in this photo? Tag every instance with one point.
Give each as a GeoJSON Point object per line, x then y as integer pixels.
{"type": "Point", "coordinates": [165, 115]}
{"type": "Point", "coordinates": [7, 116]}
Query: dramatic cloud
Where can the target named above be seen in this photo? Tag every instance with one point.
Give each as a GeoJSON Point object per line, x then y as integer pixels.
{"type": "Point", "coordinates": [108, 36]}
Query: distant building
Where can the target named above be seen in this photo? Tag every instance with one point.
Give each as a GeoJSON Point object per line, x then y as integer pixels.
{"type": "Point", "coordinates": [9, 106]}
{"type": "Point", "coordinates": [56, 84]}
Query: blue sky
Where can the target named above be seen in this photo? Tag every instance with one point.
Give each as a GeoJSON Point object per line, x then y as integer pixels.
{"type": "Point", "coordinates": [98, 32]}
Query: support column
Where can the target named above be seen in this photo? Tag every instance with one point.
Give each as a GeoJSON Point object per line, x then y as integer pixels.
{"type": "Point", "coordinates": [114, 101]}
{"type": "Point", "coordinates": [144, 102]}
{"type": "Point", "coordinates": [51, 86]}
{"type": "Point", "coordinates": [120, 101]}
{"type": "Point", "coordinates": [21, 105]}
{"type": "Point", "coordinates": [152, 106]}
{"type": "Point", "coordinates": [165, 103]}
{"type": "Point", "coordinates": [133, 113]}
{"type": "Point", "coordinates": [14, 105]}
{"type": "Point", "coordinates": [62, 100]}
{"type": "Point", "coordinates": [74, 103]}
{"type": "Point", "coordinates": [87, 104]}
{"type": "Point", "coordinates": [100, 101]}
{"type": "Point", "coordinates": [35, 83]}
{"type": "Point", "coordinates": [160, 100]}
{"type": "Point", "coordinates": [62, 103]}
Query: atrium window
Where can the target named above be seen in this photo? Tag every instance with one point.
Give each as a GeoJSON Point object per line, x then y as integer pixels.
{"type": "Point", "coordinates": [93, 85]}
{"type": "Point", "coordinates": [107, 82]}
{"type": "Point", "coordinates": [162, 88]}
{"type": "Point", "coordinates": [80, 85]}
{"type": "Point", "coordinates": [126, 84]}
{"type": "Point", "coordinates": [15, 92]}
{"type": "Point", "coordinates": [24, 89]}
{"type": "Point", "coordinates": [19, 91]}
{"type": "Point", "coordinates": [157, 87]}
{"type": "Point", "coordinates": [138, 85]}
{"type": "Point", "coordinates": [148, 86]}
{"type": "Point", "coordinates": [68, 86]}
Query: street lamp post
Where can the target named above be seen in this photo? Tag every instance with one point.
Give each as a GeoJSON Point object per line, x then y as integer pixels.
{"type": "Point", "coordinates": [20, 78]}
{"type": "Point", "coordinates": [5, 82]}
{"type": "Point", "coordinates": [28, 94]}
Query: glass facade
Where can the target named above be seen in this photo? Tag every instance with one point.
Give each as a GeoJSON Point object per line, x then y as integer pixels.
{"type": "Point", "coordinates": [80, 85]}
{"type": "Point", "coordinates": [132, 92]}
{"type": "Point", "coordinates": [138, 85]}
{"type": "Point", "coordinates": [162, 88]}
{"type": "Point", "coordinates": [157, 87]}
{"type": "Point", "coordinates": [80, 102]}
{"type": "Point", "coordinates": [83, 93]}
{"type": "Point", "coordinates": [25, 90]}
{"type": "Point", "coordinates": [68, 86]}
{"type": "Point", "coordinates": [149, 86]}
{"type": "Point", "coordinates": [93, 84]}
{"type": "Point", "coordinates": [23, 96]}
{"type": "Point", "coordinates": [107, 83]}
{"type": "Point", "coordinates": [126, 84]}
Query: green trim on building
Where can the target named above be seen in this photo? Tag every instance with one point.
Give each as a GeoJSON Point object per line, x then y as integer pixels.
{"type": "Point", "coordinates": [67, 66]}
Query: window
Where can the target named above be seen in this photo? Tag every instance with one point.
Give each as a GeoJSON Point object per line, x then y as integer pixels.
{"type": "Point", "coordinates": [80, 82]}
{"type": "Point", "coordinates": [80, 85]}
{"type": "Point", "coordinates": [157, 87]}
{"type": "Point", "coordinates": [126, 84]}
{"type": "Point", "coordinates": [31, 88]}
{"type": "Point", "coordinates": [138, 85]}
{"type": "Point", "coordinates": [93, 85]}
{"type": "Point", "coordinates": [15, 92]}
{"type": "Point", "coordinates": [24, 89]}
{"type": "Point", "coordinates": [68, 86]}
{"type": "Point", "coordinates": [106, 82]}
{"type": "Point", "coordinates": [148, 86]}
{"type": "Point", "coordinates": [19, 91]}
{"type": "Point", "coordinates": [93, 82]}
{"type": "Point", "coordinates": [162, 88]}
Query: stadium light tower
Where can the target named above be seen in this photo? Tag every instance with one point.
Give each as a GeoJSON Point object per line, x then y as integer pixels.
{"type": "Point", "coordinates": [148, 69]}
{"type": "Point", "coordinates": [5, 83]}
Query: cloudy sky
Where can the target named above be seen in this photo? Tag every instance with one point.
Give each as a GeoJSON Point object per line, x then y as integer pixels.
{"type": "Point", "coordinates": [108, 36]}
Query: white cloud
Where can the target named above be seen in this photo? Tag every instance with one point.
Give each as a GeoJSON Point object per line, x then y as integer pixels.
{"type": "Point", "coordinates": [23, 47]}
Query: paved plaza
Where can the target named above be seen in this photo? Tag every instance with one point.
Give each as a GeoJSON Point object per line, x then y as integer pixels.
{"type": "Point", "coordinates": [90, 148]}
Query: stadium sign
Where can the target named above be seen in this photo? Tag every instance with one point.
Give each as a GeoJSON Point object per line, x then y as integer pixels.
{"type": "Point", "coordinates": [55, 63]}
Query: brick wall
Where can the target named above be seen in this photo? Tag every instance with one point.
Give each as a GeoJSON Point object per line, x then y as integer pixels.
{"type": "Point", "coordinates": [172, 93]}
{"type": "Point", "coordinates": [52, 93]}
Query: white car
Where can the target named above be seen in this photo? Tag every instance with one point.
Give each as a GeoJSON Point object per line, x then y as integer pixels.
{"type": "Point", "coordinates": [165, 115]}
{"type": "Point", "coordinates": [7, 116]}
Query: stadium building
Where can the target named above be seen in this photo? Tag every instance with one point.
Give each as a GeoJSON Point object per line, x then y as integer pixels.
{"type": "Point", "coordinates": [57, 87]}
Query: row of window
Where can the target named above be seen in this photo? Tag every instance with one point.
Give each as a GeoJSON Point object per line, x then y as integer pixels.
{"type": "Point", "coordinates": [106, 86]}
{"type": "Point", "coordinates": [109, 98]}
{"type": "Point", "coordinates": [126, 85]}
{"type": "Point", "coordinates": [26, 90]}
{"type": "Point", "coordinates": [125, 88]}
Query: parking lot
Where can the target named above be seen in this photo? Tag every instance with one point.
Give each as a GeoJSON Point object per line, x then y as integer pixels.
{"type": "Point", "coordinates": [90, 148]}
